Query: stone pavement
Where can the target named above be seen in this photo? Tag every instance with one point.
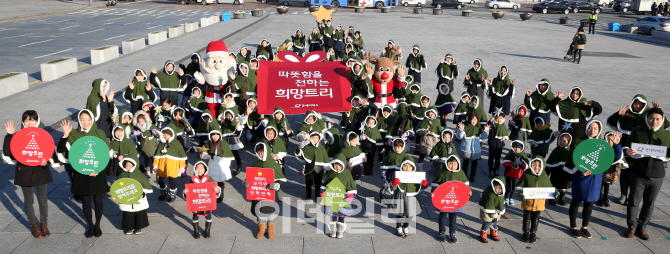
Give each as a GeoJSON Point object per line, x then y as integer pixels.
{"type": "Point", "coordinates": [532, 50]}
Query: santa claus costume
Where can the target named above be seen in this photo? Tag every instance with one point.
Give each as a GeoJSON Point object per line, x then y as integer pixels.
{"type": "Point", "coordinates": [217, 74]}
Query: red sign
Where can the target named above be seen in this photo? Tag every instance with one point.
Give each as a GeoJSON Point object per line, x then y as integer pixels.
{"type": "Point", "coordinates": [451, 196]}
{"type": "Point", "coordinates": [31, 145]}
{"type": "Point", "coordinates": [259, 179]}
{"type": "Point", "coordinates": [200, 196]}
{"type": "Point", "coordinates": [302, 84]}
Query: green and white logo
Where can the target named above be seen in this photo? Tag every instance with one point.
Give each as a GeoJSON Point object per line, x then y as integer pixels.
{"type": "Point", "coordinates": [126, 191]}
{"type": "Point", "coordinates": [88, 155]}
{"type": "Point", "coordinates": [593, 154]}
{"type": "Point", "coordinates": [335, 195]}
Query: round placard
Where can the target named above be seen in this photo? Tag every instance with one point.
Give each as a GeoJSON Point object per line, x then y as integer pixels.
{"type": "Point", "coordinates": [31, 145]}
{"type": "Point", "coordinates": [126, 191]}
{"type": "Point", "coordinates": [451, 196]}
{"type": "Point", "coordinates": [594, 154]}
{"type": "Point", "coordinates": [89, 154]}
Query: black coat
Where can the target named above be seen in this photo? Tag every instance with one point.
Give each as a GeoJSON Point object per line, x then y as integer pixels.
{"type": "Point", "coordinates": [84, 185]}
{"type": "Point", "coordinates": [136, 105]}
{"type": "Point", "coordinates": [27, 176]}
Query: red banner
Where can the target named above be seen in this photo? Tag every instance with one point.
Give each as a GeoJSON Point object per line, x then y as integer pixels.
{"type": "Point", "coordinates": [259, 179]}
{"type": "Point", "coordinates": [200, 197]}
{"type": "Point", "coordinates": [302, 84]}
{"type": "Point", "coordinates": [30, 146]}
{"type": "Point", "coordinates": [451, 196]}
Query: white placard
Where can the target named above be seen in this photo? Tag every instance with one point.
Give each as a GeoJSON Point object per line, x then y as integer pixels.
{"type": "Point", "coordinates": [410, 177]}
{"type": "Point", "coordinates": [539, 193]}
{"type": "Point", "coordinates": [650, 150]}
{"type": "Point", "coordinates": [357, 160]}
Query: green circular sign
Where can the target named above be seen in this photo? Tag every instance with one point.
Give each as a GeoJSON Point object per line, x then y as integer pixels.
{"type": "Point", "coordinates": [126, 191]}
{"type": "Point", "coordinates": [89, 154]}
{"type": "Point", "coordinates": [594, 154]}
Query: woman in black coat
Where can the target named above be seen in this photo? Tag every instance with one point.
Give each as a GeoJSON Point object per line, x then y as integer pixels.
{"type": "Point", "coordinates": [91, 186]}
{"type": "Point", "coordinates": [28, 177]}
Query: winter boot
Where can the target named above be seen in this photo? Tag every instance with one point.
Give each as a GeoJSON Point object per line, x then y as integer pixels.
{"type": "Point", "coordinates": [164, 192]}
{"type": "Point", "coordinates": [341, 226]}
{"type": "Point", "coordinates": [172, 195]}
{"type": "Point", "coordinates": [37, 233]}
{"type": "Point", "coordinates": [208, 226]}
{"type": "Point", "coordinates": [534, 223]}
{"type": "Point", "coordinates": [261, 231]}
{"type": "Point", "coordinates": [196, 230]}
{"type": "Point", "coordinates": [526, 227]}
{"type": "Point", "coordinates": [494, 235]}
{"type": "Point", "coordinates": [271, 230]}
{"type": "Point", "coordinates": [600, 201]}
{"type": "Point", "coordinates": [332, 226]}
{"type": "Point", "coordinates": [561, 198]}
{"type": "Point", "coordinates": [44, 229]}
{"type": "Point", "coordinates": [483, 237]}
{"type": "Point", "coordinates": [221, 185]}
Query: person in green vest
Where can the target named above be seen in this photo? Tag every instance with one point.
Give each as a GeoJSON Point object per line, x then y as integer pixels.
{"type": "Point", "coordinates": [392, 162]}
{"type": "Point", "coordinates": [447, 71]}
{"type": "Point", "coordinates": [392, 51]}
{"type": "Point", "coordinates": [244, 55]}
{"type": "Point", "coordinates": [201, 175]}
{"type": "Point", "coordinates": [315, 159]}
{"type": "Point", "coordinates": [519, 126]}
{"type": "Point", "coordinates": [497, 136]}
{"type": "Point", "coordinates": [89, 187]}
{"type": "Point", "coordinates": [266, 208]}
{"type": "Point", "coordinates": [359, 45]}
{"type": "Point", "coordinates": [541, 138]}
{"type": "Point", "coordinates": [515, 163]}
{"type": "Point", "coordinates": [648, 172]}
{"type": "Point", "coordinates": [539, 100]}
{"type": "Point", "coordinates": [492, 206]}
{"type": "Point", "coordinates": [501, 91]}
{"type": "Point", "coordinates": [475, 80]}
{"type": "Point", "coordinates": [122, 148]}
{"type": "Point", "coordinates": [337, 225]}
{"type": "Point", "coordinates": [386, 122]}
{"type": "Point", "coordinates": [444, 103]}
{"type": "Point", "coordinates": [126, 121]}
{"type": "Point", "coordinates": [338, 41]}
{"type": "Point", "coordinates": [134, 217]}
{"type": "Point", "coordinates": [276, 147]}
{"type": "Point", "coordinates": [353, 155]}
{"type": "Point", "coordinates": [415, 63]}
{"type": "Point", "coordinates": [265, 50]}
{"type": "Point", "coordinates": [139, 90]}
{"type": "Point", "coordinates": [102, 106]}
{"type": "Point", "coordinates": [220, 157]}
{"type": "Point", "coordinates": [612, 173]}
{"type": "Point", "coordinates": [450, 170]}
{"type": "Point", "coordinates": [332, 142]}
{"type": "Point", "coordinates": [461, 109]}
{"type": "Point", "coordinates": [593, 18]}
{"type": "Point", "coordinates": [476, 106]}
{"type": "Point", "coordinates": [555, 163]}
{"type": "Point", "coordinates": [532, 208]}
{"type": "Point", "coordinates": [575, 111]}
{"type": "Point", "coordinates": [315, 41]}
{"type": "Point", "coordinates": [169, 82]}
{"type": "Point", "coordinates": [429, 130]}
{"type": "Point", "coordinates": [327, 31]}
{"type": "Point", "coordinates": [442, 151]}
{"type": "Point", "coordinates": [169, 162]}
{"type": "Point", "coordinates": [371, 142]}
{"type": "Point", "coordinates": [471, 133]}
{"type": "Point", "coordinates": [252, 121]}
{"type": "Point", "coordinates": [404, 198]}
{"type": "Point", "coordinates": [281, 123]}
{"type": "Point", "coordinates": [194, 65]}
{"type": "Point", "coordinates": [299, 42]}
{"type": "Point", "coordinates": [146, 135]}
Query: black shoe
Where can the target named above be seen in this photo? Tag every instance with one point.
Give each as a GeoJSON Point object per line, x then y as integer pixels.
{"type": "Point", "coordinates": [599, 202]}
{"type": "Point", "coordinates": [472, 179]}
{"type": "Point", "coordinates": [552, 202]}
{"type": "Point", "coordinates": [526, 237]}
{"type": "Point", "coordinates": [586, 233]}
{"type": "Point", "coordinates": [98, 231]}
{"type": "Point", "coordinates": [196, 231]}
{"type": "Point", "coordinates": [575, 233]}
{"type": "Point", "coordinates": [533, 238]}
{"type": "Point", "coordinates": [308, 197]}
{"type": "Point", "coordinates": [89, 233]}
{"type": "Point", "coordinates": [206, 233]}
{"type": "Point", "coordinates": [606, 202]}
{"type": "Point", "coordinates": [163, 194]}
{"type": "Point", "coordinates": [561, 200]}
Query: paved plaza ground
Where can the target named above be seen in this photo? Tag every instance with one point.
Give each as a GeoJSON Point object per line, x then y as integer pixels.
{"type": "Point", "coordinates": [613, 69]}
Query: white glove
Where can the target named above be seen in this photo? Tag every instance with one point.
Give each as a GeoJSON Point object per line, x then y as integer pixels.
{"type": "Point", "coordinates": [198, 77]}
{"type": "Point", "coordinates": [405, 135]}
{"type": "Point", "coordinates": [182, 170]}
{"type": "Point", "coordinates": [274, 186]}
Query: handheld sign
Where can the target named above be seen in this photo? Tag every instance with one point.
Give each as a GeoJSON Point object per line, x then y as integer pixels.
{"type": "Point", "coordinates": [539, 193]}
{"type": "Point", "coordinates": [594, 154]}
{"type": "Point", "coordinates": [31, 145]}
{"type": "Point", "coordinates": [335, 195]}
{"type": "Point", "coordinates": [451, 196]}
{"type": "Point", "coordinates": [200, 195]}
{"type": "Point", "coordinates": [259, 179]}
{"type": "Point", "coordinates": [89, 154]}
{"type": "Point", "coordinates": [126, 191]}
{"type": "Point", "coordinates": [410, 177]}
{"type": "Point", "coordinates": [300, 84]}
{"type": "Point", "coordinates": [644, 149]}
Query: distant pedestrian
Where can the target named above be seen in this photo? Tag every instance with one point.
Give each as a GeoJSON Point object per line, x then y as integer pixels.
{"type": "Point", "coordinates": [654, 9]}
{"type": "Point", "coordinates": [579, 40]}
{"type": "Point", "coordinates": [593, 17]}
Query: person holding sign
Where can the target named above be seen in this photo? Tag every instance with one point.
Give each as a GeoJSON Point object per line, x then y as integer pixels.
{"type": "Point", "coordinates": [647, 172]}
{"type": "Point", "coordinates": [585, 185]}
{"type": "Point", "coordinates": [93, 185]}
{"type": "Point", "coordinates": [450, 171]}
{"type": "Point", "coordinates": [371, 142]}
{"type": "Point", "coordinates": [220, 157]}
{"type": "Point", "coordinates": [532, 179]}
{"type": "Point", "coordinates": [200, 175]}
{"type": "Point", "coordinates": [27, 177]}
{"type": "Point", "coordinates": [492, 205]}
{"type": "Point", "coordinates": [353, 155]}
{"type": "Point", "coordinates": [404, 198]}
{"type": "Point", "coordinates": [265, 210]}
{"type": "Point", "coordinates": [169, 162]}
{"type": "Point", "coordinates": [315, 158]}
{"type": "Point", "coordinates": [134, 217]}
{"type": "Point", "coordinates": [337, 225]}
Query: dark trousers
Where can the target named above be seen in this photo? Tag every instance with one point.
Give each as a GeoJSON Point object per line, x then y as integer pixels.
{"type": "Point", "coordinates": [171, 181]}
{"type": "Point", "coordinates": [337, 219]}
{"type": "Point", "coordinates": [448, 219]}
{"type": "Point", "coordinates": [473, 171]}
{"type": "Point", "coordinates": [624, 180]}
{"type": "Point", "coordinates": [577, 55]}
{"type": "Point", "coordinates": [592, 27]}
{"type": "Point", "coordinates": [134, 220]}
{"type": "Point", "coordinates": [510, 186]}
{"type": "Point", "coordinates": [642, 190]}
{"type": "Point", "coordinates": [313, 179]}
{"type": "Point", "coordinates": [494, 159]}
{"type": "Point", "coordinates": [403, 221]}
{"type": "Point", "coordinates": [586, 213]}
{"type": "Point", "coordinates": [86, 207]}
{"type": "Point", "coordinates": [29, 200]}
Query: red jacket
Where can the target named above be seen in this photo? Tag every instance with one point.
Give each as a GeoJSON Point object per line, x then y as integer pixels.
{"type": "Point", "coordinates": [383, 92]}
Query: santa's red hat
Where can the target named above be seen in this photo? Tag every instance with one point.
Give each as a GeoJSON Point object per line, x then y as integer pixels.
{"type": "Point", "coordinates": [216, 48]}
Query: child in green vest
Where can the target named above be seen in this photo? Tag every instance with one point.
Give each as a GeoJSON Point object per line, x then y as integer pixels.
{"type": "Point", "coordinates": [491, 207]}
{"type": "Point", "coordinates": [201, 175]}
{"type": "Point", "coordinates": [450, 171]}
{"type": "Point", "coordinates": [338, 166]}
{"type": "Point", "coordinates": [404, 198]}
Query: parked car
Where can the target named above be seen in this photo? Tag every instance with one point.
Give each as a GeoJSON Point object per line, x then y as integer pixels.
{"type": "Point", "coordinates": [601, 2]}
{"type": "Point", "coordinates": [621, 6]}
{"type": "Point", "coordinates": [552, 7]}
{"type": "Point", "coordinates": [469, 1]}
{"type": "Point", "coordinates": [448, 4]}
{"type": "Point", "coordinates": [648, 24]}
{"type": "Point", "coordinates": [583, 7]}
{"type": "Point", "coordinates": [417, 3]}
{"type": "Point", "coordinates": [206, 2]}
{"type": "Point", "coordinates": [495, 4]}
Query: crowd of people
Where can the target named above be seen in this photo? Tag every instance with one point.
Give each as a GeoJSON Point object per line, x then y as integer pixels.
{"type": "Point", "coordinates": [169, 117]}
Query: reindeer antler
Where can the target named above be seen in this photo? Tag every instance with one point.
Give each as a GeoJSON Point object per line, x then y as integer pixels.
{"type": "Point", "coordinates": [394, 52]}
{"type": "Point", "coordinates": [368, 55]}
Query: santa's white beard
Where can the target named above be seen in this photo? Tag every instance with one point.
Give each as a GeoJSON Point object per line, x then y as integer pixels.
{"type": "Point", "coordinates": [215, 77]}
